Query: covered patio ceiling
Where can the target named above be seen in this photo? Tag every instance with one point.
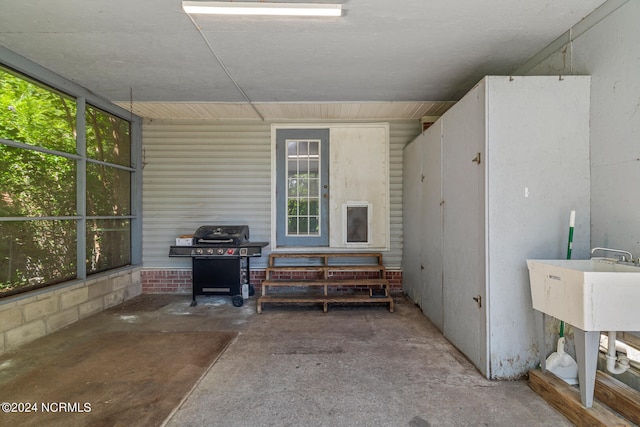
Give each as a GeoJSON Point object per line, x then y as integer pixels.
{"type": "Point", "coordinates": [380, 59]}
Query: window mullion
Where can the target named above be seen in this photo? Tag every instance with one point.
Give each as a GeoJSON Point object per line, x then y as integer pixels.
{"type": "Point", "coordinates": [81, 190]}
{"type": "Point", "coordinates": [136, 192]}
{"type": "Point", "coordinates": [45, 150]}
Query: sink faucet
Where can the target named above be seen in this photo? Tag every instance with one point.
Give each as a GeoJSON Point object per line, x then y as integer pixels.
{"type": "Point", "coordinates": [623, 259]}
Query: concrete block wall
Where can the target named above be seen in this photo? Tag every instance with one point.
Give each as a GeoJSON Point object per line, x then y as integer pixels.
{"type": "Point", "coordinates": [26, 317]}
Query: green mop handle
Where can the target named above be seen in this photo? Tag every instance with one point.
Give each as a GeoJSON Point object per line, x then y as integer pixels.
{"type": "Point", "coordinates": [572, 223]}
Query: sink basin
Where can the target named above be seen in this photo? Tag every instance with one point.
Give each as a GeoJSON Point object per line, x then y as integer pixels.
{"type": "Point", "coordinates": [593, 295]}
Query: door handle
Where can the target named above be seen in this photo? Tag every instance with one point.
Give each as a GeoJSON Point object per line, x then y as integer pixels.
{"type": "Point", "coordinates": [478, 300]}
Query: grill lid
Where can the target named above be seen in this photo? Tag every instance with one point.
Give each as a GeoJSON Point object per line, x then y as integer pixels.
{"type": "Point", "coordinates": [221, 234]}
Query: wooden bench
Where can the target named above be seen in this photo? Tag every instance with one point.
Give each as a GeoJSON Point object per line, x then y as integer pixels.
{"type": "Point", "coordinates": [330, 275]}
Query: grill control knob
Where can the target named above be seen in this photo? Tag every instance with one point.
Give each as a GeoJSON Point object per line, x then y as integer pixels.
{"type": "Point", "coordinates": [220, 251]}
{"type": "Point", "coordinates": [209, 251]}
{"type": "Point", "coordinates": [198, 251]}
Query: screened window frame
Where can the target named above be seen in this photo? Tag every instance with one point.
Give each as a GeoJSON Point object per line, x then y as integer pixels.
{"type": "Point", "coordinates": [34, 73]}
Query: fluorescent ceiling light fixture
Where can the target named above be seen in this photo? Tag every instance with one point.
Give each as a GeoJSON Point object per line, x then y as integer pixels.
{"type": "Point", "coordinates": [261, 8]}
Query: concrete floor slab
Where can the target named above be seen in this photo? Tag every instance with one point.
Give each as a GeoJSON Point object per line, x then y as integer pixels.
{"type": "Point", "coordinates": [295, 366]}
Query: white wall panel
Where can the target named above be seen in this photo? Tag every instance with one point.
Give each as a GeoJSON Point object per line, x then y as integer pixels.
{"type": "Point", "coordinates": [606, 46]}
{"type": "Point", "coordinates": [359, 173]}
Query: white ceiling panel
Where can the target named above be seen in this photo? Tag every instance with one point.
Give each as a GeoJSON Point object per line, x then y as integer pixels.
{"type": "Point", "coordinates": [379, 51]}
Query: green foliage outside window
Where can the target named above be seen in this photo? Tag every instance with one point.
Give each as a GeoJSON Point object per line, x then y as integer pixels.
{"type": "Point", "coordinates": [303, 204]}
{"type": "Point", "coordinates": [108, 191]}
{"type": "Point", "coordinates": [36, 115]}
{"type": "Point", "coordinates": [38, 190]}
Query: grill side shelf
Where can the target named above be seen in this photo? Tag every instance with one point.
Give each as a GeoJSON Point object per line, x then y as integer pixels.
{"type": "Point", "coordinates": [184, 251]}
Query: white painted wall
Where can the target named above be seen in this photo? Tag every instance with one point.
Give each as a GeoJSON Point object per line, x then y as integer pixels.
{"type": "Point", "coordinates": [606, 45]}
{"type": "Point", "coordinates": [359, 172]}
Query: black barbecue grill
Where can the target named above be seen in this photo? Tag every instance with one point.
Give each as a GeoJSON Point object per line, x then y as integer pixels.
{"type": "Point", "coordinates": [220, 260]}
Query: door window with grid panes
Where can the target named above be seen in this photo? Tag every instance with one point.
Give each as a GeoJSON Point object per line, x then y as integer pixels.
{"type": "Point", "coordinates": [302, 187]}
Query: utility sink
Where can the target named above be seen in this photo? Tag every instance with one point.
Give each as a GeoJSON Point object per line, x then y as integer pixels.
{"type": "Point", "coordinates": [593, 295]}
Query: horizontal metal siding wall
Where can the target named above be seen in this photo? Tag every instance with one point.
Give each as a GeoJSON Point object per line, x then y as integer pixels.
{"type": "Point", "coordinates": [219, 172]}
{"type": "Point", "coordinates": [202, 172]}
{"type": "Point", "coordinates": [400, 134]}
